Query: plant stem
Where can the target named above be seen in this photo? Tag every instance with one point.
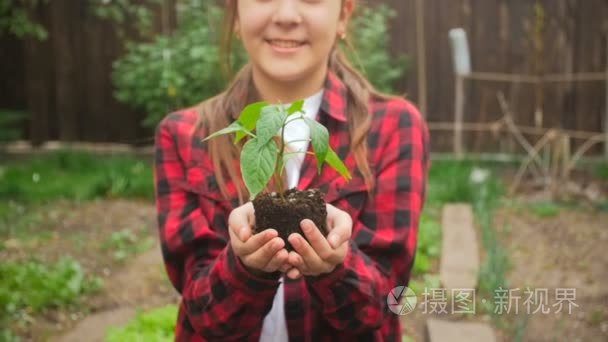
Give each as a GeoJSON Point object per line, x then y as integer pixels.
{"type": "Point", "coordinates": [279, 162]}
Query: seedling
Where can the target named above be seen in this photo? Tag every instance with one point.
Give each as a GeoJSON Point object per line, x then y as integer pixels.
{"type": "Point", "coordinates": [263, 158]}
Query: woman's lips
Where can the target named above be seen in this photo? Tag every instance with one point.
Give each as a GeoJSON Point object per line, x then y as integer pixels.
{"type": "Point", "coordinates": [285, 46]}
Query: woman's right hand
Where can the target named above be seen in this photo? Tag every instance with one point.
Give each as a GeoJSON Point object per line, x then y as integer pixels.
{"type": "Point", "coordinates": [261, 253]}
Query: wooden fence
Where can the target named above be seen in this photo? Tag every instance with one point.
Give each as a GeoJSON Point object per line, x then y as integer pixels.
{"type": "Point", "coordinates": [64, 82]}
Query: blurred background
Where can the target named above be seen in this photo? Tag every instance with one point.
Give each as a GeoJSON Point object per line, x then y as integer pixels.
{"type": "Point", "coordinates": [514, 91]}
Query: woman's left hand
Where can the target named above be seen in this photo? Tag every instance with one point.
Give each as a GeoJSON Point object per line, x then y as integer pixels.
{"type": "Point", "coordinates": [320, 255]}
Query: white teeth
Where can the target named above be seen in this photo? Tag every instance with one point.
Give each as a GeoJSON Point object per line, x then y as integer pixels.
{"type": "Point", "coordinates": [285, 43]}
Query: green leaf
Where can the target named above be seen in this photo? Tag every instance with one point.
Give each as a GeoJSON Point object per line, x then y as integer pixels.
{"type": "Point", "coordinates": [320, 141]}
{"type": "Point", "coordinates": [234, 127]}
{"type": "Point", "coordinates": [249, 118]}
{"type": "Point", "coordinates": [271, 121]}
{"type": "Point", "coordinates": [334, 161]}
{"type": "Point", "coordinates": [295, 107]}
{"type": "Point", "coordinates": [257, 164]}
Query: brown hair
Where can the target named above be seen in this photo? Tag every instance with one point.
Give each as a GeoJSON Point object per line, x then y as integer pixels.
{"type": "Point", "coordinates": [218, 112]}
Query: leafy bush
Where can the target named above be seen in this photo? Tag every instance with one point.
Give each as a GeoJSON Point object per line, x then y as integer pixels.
{"type": "Point", "coordinates": [172, 72]}
{"type": "Point", "coordinates": [371, 44]}
{"type": "Point", "coordinates": [16, 20]}
{"type": "Point", "coordinates": [184, 69]}
{"type": "Point", "coordinates": [157, 325]}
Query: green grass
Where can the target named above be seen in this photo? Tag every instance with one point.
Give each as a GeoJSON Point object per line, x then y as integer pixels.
{"type": "Point", "coordinates": [125, 243]}
{"type": "Point", "coordinates": [34, 286]}
{"type": "Point", "coordinates": [75, 176]}
{"type": "Point", "coordinates": [157, 325]}
{"type": "Point", "coordinates": [78, 176]}
{"type": "Point", "coordinates": [429, 243]}
{"type": "Point", "coordinates": [450, 181]}
{"type": "Point", "coordinates": [545, 209]}
{"type": "Point", "coordinates": [601, 171]}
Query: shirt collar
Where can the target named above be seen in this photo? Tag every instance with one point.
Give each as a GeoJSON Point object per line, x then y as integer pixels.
{"type": "Point", "coordinates": [334, 98]}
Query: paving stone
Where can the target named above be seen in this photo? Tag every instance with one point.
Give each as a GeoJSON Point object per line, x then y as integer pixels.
{"type": "Point", "coordinates": [459, 267]}
{"type": "Point", "coordinates": [445, 331]}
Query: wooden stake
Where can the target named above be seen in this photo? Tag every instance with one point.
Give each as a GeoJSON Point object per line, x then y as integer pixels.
{"type": "Point", "coordinates": [458, 116]}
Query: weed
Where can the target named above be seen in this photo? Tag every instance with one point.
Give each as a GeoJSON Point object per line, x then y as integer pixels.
{"type": "Point", "coordinates": [34, 286]}
{"type": "Point", "coordinates": [545, 209]}
{"type": "Point", "coordinates": [125, 243]}
{"type": "Point", "coordinates": [157, 325]}
{"type": "Point", "coordinates": [429, 243]}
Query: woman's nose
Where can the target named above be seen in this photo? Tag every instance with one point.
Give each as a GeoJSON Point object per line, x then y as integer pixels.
{"type": "Point", "coordinates": [287, 12]}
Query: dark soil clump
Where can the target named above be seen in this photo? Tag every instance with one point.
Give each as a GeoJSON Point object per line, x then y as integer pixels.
{"type": "Point", "coordinates": [284, 213]}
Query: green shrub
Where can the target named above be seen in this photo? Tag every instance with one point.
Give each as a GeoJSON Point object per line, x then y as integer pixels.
{"type": "Point", "coordinates": [183, 69]}
{"type": "Point", "coordinates": [157, 325]}
{"type": "Point", "coordinates": [371, 40]}
{"type": "Point", "coordinates": [172, 72]}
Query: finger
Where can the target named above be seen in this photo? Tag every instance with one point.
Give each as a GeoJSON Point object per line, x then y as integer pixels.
{"type": "Point", "coordinates": [240, 217]}
{"type": "Point", "coordinates": [285, 267]}
{"type": "Point", "coordinates": [277, 261]}
{"type": "Point", "coordinates": [340, 226]}
{"type": "Point", "coordinates": [294, 273]}
{"type": "Point", "coordinates": [296, 260]}
{"type": "Point", "coordinates": [255, 243]}
{"type": "Point", "coordinates": [316, 239]}
{"type": "Point", "coordinates": [262, 256]}
{"type": "Point", "coordinates": [308, 254]}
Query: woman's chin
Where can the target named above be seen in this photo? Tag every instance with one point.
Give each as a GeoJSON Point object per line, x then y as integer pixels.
{"type": "Point", "coordinates": [285, 75]}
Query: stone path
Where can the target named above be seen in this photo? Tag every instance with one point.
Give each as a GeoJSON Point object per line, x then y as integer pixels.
{"type": "Point", "coordinates": [459, 269]}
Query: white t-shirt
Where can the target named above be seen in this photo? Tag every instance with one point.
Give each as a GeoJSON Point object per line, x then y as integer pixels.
{"type": "Point", "coordinates": [274, 328]}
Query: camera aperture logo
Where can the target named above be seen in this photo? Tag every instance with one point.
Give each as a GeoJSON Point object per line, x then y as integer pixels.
{"type": "Point", "coordinates": [401, 300]}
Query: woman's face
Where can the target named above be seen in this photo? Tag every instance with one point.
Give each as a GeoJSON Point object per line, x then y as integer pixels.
{"type": "Point", "coordinates": [288, 40]}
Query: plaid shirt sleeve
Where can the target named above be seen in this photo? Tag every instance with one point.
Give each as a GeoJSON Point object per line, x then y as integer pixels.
{"type": "Point", "coordinates": [221, 299]}
{"type": "Point", "coordinates": [381, 254]}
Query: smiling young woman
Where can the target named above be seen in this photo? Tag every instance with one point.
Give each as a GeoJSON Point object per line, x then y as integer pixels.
{"type": "Point", "coordinates": [236, 285]}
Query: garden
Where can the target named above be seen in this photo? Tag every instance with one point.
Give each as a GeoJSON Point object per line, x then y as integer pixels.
{"type": "Point", "coordinates": [79, 246]}
{"type": "Point", "coordinates": [80, 251]}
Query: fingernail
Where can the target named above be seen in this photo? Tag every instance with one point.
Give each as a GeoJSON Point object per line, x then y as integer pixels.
{"type": "Point", "coordinates": [306, 227]}
{"type": "Point", "coordinates": [295, 242]}
{"type": "Point", "coordinates": [243, 233]}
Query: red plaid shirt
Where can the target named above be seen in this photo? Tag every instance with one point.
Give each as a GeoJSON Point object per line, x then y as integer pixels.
{"type": "Point", "coordinates": [222, 301]}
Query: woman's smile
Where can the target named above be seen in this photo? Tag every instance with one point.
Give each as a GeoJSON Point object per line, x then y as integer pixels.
{"type": "Point", "coordinates": [285, 46]}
